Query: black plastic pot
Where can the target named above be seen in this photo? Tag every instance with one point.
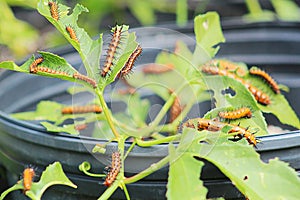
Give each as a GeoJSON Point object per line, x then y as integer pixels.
{"type": "Point", "coordinates": [24, 143]}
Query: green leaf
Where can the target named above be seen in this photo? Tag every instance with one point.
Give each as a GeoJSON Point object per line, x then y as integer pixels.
{"type": "Point", "coordinates": [184, 176]}
{"type": "Point", "coordinates": [242, 98]}
{"type": "Point", "coordinates": [143, 11]}
{"type": "Point", "coordinates": [102, 130]}
{"type": "Point", "coordinates": [12, 66]}
{"type": "Point", "coordinates": [138, 115]}
{"type": "Point", "coordinates": [181, 12]}
{"type": "Point", "coordinates": [17, 186]}
{"type": "Point", "coordinates": [208, 32]}
{"type": "Point", "coordinates": [46, 110]}
{"type": "Point", "coordinates": [70, 128]}
{"type": "Point", "coordinates": [53, 175]}
{"type": "Point", "coordinates": [254, 178]}
{"type": "Point", "coordinates": [19, 36]}
{"type": "Point", "coordinates": [88, 49]}
{"type": "Point", "coordinates": [286, 10]}
{"type": "Point", "coordinates": [53, 63]}
{"type": "Point", "coordinates": [242, 165]}
{"type": "Point", "coordinates": [278, 103]}
{"type": "Point", "coordinates": [256, 13]}
{"type": "Point", "coordinates": [183, 76]}
{"type": "Point", "coordinates": [126, 47]}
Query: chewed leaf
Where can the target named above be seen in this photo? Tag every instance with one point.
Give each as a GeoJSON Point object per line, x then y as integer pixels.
{"type": "Point", "coordinates": [50, 65]}
{"type": "Point", "coordinates": [254, 178]}
{"type": "Point", "coordinates": [53, 175]}
{"type": "Point", "coordinates": [208, 32]}
{"type": "Point", "coordinates": [243, 166]}
{"type": "Point", "coordinates": [70, 128]}
{"type": "Point", "coordinates": [254, 124]}
{"type": "Point", "coordinates": [120, 55]}
{"type": "Point", "coordinates": [278, 103]}
{"type": "Point", "coordinates": [230, 93]}
{"type": "Point", "coordinates": [89, 49]}
{"type": "Point", "coordinates": [183, 180]}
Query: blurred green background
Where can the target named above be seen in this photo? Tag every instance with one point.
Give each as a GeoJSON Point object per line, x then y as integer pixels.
{"type": "Point", "coordinates": [23, 30]}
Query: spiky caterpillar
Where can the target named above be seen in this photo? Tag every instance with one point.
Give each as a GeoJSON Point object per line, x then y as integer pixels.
{"type": "Point", "coordinates": [86, 79]}
{"type": "Point", "coordinates": [33, 66]}
{"type": "Point", "coordinates": [50, 71]}
{"type": "Point", "coordinates": [259, 95]}
{"type": "Point", "coordinates": [130, 62]}
{"type": "Point", "coordinates": [236, 114]}
{"type": "Point", "coordinates": [266, 77]}
{"type": "Point", "coordinates": [111, 51]}
{"type": "Point", "coordinates": [175, 109]}
{"type": "Point", "coordinates": [54, 10]}
{"type": "Point", "coordinates": [28, 175]}
{"type": "Point", "coordinates": [72, 33]}
{"type": "Point", "coordinates": [114, 169]}
{"type": "Point", "coordinates": [210, 125]}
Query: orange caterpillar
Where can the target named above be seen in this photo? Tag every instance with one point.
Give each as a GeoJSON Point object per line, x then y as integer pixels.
{"type": "Point", "coordinates": [260, 96]}
{"type": "Point", "coordinates": [266, 77]}
{"type": "Point", "coordinates": [28, 175]}
{"type": "Point", "coordinates": [114, 169]}
{"type": "Point", "coordinates": [210, 125]}
{"type": "Point", "coordinates": [86, 79]}
{"type": "Point", "coordinates": [229, 66]}
{"type": "Point", "coordinates": [112, 48]}
{"type": "Point", "coordinates": [175, 109]}
{"type": "Point", "coordinates": [157, 68]}
{"type": "Point", "coordinates": [54, 10]}
{"type": "Point", "coordinates": [34, 64]}
{"type": "Point", "coordinates": [130, 62]}
{"type": "Point", "coordinates": [50, 71]}
{"type": "Point", "coordinates": [81, 109]}
{"type": "Point", "coordinates": [72, 33]}
{"type": "Point", "coordinates": [80, 127]}
{"type": "Point", "coordinates": [236, 114]}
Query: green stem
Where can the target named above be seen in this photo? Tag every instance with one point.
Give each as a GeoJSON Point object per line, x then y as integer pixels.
{"type": "Point", "coordinates": [129, 149]}
{"type": "Point", "coordinates": [253, 6]}
{"type": "Point", "coordinates": [164, 109]}
{"type": "Point", "coordinates": [157, 135]}
{"type": "Point", "coordinates": [158, 141]}
{"type": "Point", "coordinates": [154, 167]}
{"type": "Point", "coordinates": [109, 191]}
{"type": "Point", "coordinates": [125, 191]}
{"type": "Point", "coordinates": [165, 128]}
{"type": "Point", "coordinates": [107, 113]}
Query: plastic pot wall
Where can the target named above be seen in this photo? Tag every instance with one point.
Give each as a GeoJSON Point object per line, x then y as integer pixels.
{"type": "Point", "coordinates": [24, 143]}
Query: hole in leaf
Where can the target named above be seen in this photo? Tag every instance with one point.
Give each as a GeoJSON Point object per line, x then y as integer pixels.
{"type": "Point", "coordinates": [229, 91]}
{"type": "Point", "coordinates": [205, 24]}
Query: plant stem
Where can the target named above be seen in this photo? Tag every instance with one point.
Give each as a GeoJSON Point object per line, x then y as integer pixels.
{"type": "Point", "coordinates": [129, 149]}
{"type": "Point", "coordinates": [158, 141]}
{"type": "Point", "coordinates": [125, 191]}
{"type": "Point", "coordinates": [163, 111]}
{"type": "Point", "coordinates": [107, 113]}
{"type": "Point", "coordinates": [154, 167]}
{"type": "Point", "coordinates": [109, 191]}
{"type": "Point", "coordinates": [253, 6]}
